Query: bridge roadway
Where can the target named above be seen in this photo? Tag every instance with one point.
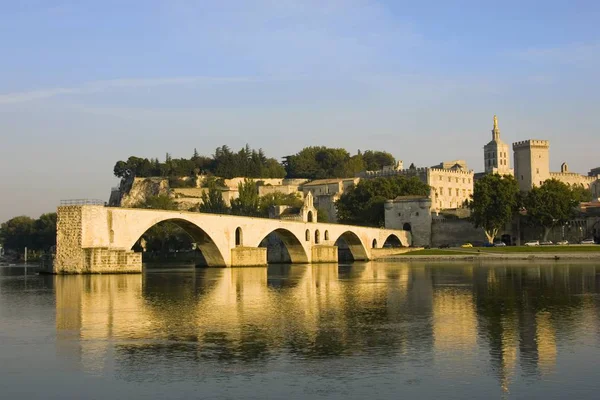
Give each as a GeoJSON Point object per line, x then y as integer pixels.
{"type": "Point", "coordinates": [98, 239]}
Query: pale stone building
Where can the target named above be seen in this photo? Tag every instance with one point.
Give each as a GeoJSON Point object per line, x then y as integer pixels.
{"type": "Point", "coordinates": [532, 168]}
{"type": "Point", "coordinates": [327, 191]}
{"type": "Point", "coordinates": [306, 213]}
{"type": "Point", "coordinates": [532, 162]}
{"type": "Point", "coordinates": [496, 154]}
{"type": "Point", "coordinates": [451, 182]}
{"type": "Point", "coordinates": [410, 213]}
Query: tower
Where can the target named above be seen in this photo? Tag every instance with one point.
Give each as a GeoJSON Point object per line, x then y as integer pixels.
{"type": "Point", "coordinates": [495, 154]}
{"type": "Point", "coordinates": [532, 163]}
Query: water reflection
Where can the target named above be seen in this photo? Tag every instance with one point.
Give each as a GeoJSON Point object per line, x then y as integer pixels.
{"type": "Point", "coordinates": [497, 320]}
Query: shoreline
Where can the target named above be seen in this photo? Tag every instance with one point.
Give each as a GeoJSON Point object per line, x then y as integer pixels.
{"type": "Point", "coordinates": [493, 256]}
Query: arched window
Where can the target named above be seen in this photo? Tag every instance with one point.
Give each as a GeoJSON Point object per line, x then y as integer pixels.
{"type": "Point", "coordinates": [406, 227]}
{"type": "Point", "coordinates": [310, 216]}
{"type": "Point", "coordinates": [317, 236]}
{"type": "Point", "coordinates": [326, 235]}
{"type": "Point", "coordinates": [239, 238]}
{"type": "Point", "coordinates": [307, 235]}
{"type": "Point", "coordinates": [374, 243]}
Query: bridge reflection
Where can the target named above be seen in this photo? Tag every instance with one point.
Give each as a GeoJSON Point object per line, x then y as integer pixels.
{"type": "Point", "coordinates": [497, 319]}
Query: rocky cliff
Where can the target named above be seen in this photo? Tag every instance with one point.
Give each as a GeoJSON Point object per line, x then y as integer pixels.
{"type": "Point", "coordinates": [137, 190]}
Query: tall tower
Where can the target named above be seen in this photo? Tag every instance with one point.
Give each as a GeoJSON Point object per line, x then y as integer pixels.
{"type": "Point", "coordinates": [495, 154]}
{"type": "Point", "coordinates": [532, 162]}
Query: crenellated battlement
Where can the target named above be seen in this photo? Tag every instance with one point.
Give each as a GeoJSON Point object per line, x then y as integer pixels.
{"type": "Point", "coordinates": [531, 143]}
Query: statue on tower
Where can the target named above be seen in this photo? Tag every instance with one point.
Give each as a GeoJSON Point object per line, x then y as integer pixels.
{"type": "Point", "coordinates": [495, 122]}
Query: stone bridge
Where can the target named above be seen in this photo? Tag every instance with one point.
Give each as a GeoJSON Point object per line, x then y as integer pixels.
{"type": "Point", "coordinates": [98, 239]}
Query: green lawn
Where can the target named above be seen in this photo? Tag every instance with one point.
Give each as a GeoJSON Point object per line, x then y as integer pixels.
{"type": "Point", "coordinates": [508, 249]}
{"type": "Point", "coordinates": [536, 249]}
{"type": "Point", "coordinates": [438, 252]}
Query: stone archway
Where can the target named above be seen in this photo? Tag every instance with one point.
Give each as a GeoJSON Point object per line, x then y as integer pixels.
{"type": "Point", "coordinates": [284, 247]}
{"type": "Point", "coordinates": [210, 252]}
{"type": "Point", "coordinates": [392, 241]}
{"type": "Point", "coordinates": [350, 247]}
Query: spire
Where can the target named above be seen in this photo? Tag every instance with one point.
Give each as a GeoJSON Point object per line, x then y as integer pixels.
{"type": "Point", "coordinates": [496, 130]}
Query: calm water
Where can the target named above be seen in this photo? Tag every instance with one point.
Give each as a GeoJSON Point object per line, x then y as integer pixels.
{"type": "Point", "coordinates": [377, 331]}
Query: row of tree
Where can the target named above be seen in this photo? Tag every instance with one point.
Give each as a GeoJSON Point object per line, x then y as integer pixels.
{"type": "Point", "coordinates": [310, 163]}
{"type": "Point", "coordinates": [497, 200]}
{"type": "Point", "coordinates": [224, 163]}
{"type": "Point", "coordinates": [319, 162]}
{"type": "Point", "coordinates": [35, 234]}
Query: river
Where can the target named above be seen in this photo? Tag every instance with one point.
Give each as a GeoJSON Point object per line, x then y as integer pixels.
{"type": "Point", "coordinates": [371, 330]}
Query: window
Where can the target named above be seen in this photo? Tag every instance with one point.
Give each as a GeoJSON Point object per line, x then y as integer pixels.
{"type": "Point", "coordinates": [326, 235]}
{"type": "Point", "coordinates": [317, 236]}
{"type": "Point", "coordinates": [521, 177]}
{"type": "Point", "coordinates": [440, 177]}
{"type": "Point", "coordinates": [441, 191]}
{"type": "Point", "coordinates": [307, 235]}
{"type": "Point", "coordinates": [417, 214]}
{"type": "Point", "coordinates": [456, 180]}
{"type": "Point", "coordinates": [399, 214]}
{"type": "Point", "coordinates": [457, 191]}
{"type": "Point", "coordinates": [464, 180]}
{"type": "Point", "coordinates": [449, 179]}
{"type": "Point", "coordinates": [537, 170]}
{"type": "Point", "coordinates": [464, 192]}
{"type": "Point", "coordinates": [239, 240]}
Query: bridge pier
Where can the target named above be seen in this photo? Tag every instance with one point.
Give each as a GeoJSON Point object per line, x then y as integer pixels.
{"type": "Point", "coordinates": [248, 256]}
{"type": "Point", "coordinates": [324, 254]}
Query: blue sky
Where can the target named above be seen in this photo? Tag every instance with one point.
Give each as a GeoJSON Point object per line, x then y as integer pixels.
{"type": "Point", "coordinates": [84, 84]}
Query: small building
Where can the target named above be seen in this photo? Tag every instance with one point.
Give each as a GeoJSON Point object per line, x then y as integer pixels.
{"type": "Point", "coordinates": [412, 214]}
{"type": "Point", "coordinates": [306, 213]}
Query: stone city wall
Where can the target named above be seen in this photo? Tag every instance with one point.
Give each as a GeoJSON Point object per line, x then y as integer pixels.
{"type": "Point", "coordinates": [455, 232]}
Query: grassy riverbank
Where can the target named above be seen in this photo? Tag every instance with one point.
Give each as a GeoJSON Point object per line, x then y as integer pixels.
{"type": "Point", "coordinates": [578, 252]}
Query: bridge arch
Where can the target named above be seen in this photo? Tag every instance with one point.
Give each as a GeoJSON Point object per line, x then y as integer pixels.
{"type": "Point", "coordinates": [208, 247]}
{"type": "Point", "coordinates": [284, 247]}
{"type": "Point", "coordinates": [393, 241]}
{"type": "Point", "coordinates": [351, 244]}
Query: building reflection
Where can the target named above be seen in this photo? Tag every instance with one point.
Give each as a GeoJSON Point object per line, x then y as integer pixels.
{"type": "Point", "coordinates": [510, 317]}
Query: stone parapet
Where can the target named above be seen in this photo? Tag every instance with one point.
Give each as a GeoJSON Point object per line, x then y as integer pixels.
{"type": "Point", "coordinates": [531, 143]}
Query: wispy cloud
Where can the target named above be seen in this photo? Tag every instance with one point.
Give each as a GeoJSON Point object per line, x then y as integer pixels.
{"type": "Point", "coordinates": [115, 84]}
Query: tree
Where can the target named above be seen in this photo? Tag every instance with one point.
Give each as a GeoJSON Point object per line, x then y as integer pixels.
{"type": "Point", "coordinates": [376, 160]}
{"type": "Point", "coordinates": [551, 204]}
{"type": "Point", "coordinates": [248, 202]}
{"type": "Point", "coordinates": [45, 231]}
{"type": "Point", "coordinates": [494, 202]}
{"type": "Point", "coordinates": [212, 200]}
{"type": "Point", "coordinates": [581, 194]}
{"type": "Point", "coordinates": [363, 203]}
{"type": "Point", "coordinates": [279, 199]}
{"type": "Point", "coordinates": [18, 233]}
{"type": "Point", "coordinates": [160, 202]}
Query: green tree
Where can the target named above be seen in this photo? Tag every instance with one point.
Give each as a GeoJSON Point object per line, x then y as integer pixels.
{"type": "Point", "coordinates": [551, 204]}
{"type": "Point", "coordinates": [160, 202]}
{"type": "Point", "coordinates": [18, 233]}
{"type": "Point", "coordinates": [376, 160]}
{"type": "Point", "coordinates": [45, 231]}
{"type": "Point", "coordinates": [494, 202]}
{"type": "Point", "coordinates": [212, 199]}
{"type": "Point", "coordinates": [363, 203]}
{"type": "Point", "coordinates": [248, 202]}
{"type": "Point", "coordinates": [581, 194]}
{"type": "Point", "coordinates": [278, 199]}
